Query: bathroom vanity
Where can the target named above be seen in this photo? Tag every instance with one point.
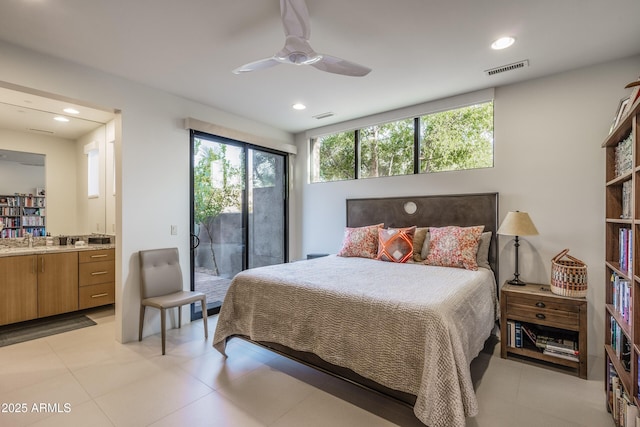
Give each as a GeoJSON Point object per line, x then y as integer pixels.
{"type": "Point", "coordinates": [47, 280]}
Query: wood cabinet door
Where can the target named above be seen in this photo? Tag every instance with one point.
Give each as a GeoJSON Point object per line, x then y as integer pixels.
{"type": "Point", "coordinates": [18, 289]}
{"type": "Point", "coordinates": [57, 283]}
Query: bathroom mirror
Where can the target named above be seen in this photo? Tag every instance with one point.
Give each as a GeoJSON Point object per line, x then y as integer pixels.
{"type": "Point", "coordinates": [32, 124]}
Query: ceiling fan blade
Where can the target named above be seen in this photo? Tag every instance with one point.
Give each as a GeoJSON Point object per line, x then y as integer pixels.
{"type": "Point", "coordinates": [335, 65]}
{"type": "Point", "coordinates": [295, 18]}
{"type": "Point", "coordinates": [257, 65]}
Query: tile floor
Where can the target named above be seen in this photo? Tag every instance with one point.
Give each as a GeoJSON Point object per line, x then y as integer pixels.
{"type": "Point", "coordinates": [86, 378]}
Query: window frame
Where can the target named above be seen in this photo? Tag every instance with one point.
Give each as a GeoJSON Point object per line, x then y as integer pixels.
{"type": "Point", "coordinates": [413, 112]}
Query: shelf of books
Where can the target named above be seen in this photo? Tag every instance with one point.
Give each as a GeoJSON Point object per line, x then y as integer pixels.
{"type": "Point", "coordinates": [22, 213]}
{"type": "Point", "coordinates": [558, 346]}
{"type": "Point", "coordinates": [622, 267]}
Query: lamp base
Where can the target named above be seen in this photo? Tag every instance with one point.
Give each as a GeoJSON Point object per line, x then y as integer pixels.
{"type": "Point", "coordinates": [516, 281]}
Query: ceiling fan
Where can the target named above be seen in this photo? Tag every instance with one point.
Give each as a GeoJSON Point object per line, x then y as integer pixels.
{"type": "Point", "coordinates": [298, 51]}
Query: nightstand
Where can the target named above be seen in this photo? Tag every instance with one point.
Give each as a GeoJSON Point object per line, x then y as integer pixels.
{"type": "Point", "coordinates": [534, 308]}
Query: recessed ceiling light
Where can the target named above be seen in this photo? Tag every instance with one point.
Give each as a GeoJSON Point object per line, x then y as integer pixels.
{"type": "Point", "coordinates": [502, 43]}
{"type": "Point", "coordinates": [60, 119]}
{"type": "Point", "coordinates": [298, 106]}
{"type": "Point", "coordinates": [71, 111]}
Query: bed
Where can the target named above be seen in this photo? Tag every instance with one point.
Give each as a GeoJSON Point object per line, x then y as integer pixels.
{"type": "Point", "coordinates": [407, 330]}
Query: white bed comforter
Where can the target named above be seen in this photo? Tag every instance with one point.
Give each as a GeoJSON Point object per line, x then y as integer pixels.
{"type": "Point", "coordinates": [409, 327]}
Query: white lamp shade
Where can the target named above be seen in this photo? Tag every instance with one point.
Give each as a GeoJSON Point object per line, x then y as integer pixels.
{"type": "Point", "coordinates": [517, 224]}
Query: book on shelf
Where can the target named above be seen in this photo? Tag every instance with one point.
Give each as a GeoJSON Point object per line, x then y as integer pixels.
{"type": "Point", "coordinates": [625, 242]}
{"type": "Point", "coordinates": [621, 296]}
{"type": "Point", "coordinates": [529, 333]}
{"type": "Point", "coordinates": [562, 355]}
{"type": "Point", "coordinates": [570, 349]}
{"type": "Point", "coordinates": [626, 200]}
{"type": "Point", "coordinates": [623, 156]}
{"type": "Point", "coordinates": [564, 349]}
{"type": "Point", "coordinates": [616, 336]}
{"type": "Point", "coordinates": [543, 341]}
{"type": "Point", "coordinates": [623, 409]}
{"type": "Point", "coordinates": [514, 334]}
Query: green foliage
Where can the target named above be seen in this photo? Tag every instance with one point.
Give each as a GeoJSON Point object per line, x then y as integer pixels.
{"type": "Point", "coordinates": [387, 149]}
{"type": "Point", "coordinates": [263, 169]}
{"type": "Point", "coordinates": [457, 139]}
{"type": "Point", "coordinates": [449, 140]}
{"type": "Point", "coordinates": [335, 157]}
{"type": "Point", "coordinates": [214, 190]}
{"type": "Point", "coordinates": [217, 187]}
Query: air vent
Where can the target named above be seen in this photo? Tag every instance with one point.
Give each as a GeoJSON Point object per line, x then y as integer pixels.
{"type": "Point", "coordinates": [323, 115]}
{"type": "Point", "coordinates": [40, 130]}
{"type": "Point", "coordinates": [509, 67]}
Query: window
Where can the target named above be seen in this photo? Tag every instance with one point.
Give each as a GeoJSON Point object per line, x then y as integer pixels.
{"type": "Point", "coordinates": [333, 157]}
{"type": "Point", "coordinates": [454, 139]}
{"type": "Point", "coordinates": [387, 149]}
{"type": "Point", "coordinates": [457, 139]}
{"type": "Point", "coordinates": [93, 172]}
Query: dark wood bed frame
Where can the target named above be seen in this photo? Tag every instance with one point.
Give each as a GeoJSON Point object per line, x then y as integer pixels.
{"type": "Point", "coordinates": [435, 211]}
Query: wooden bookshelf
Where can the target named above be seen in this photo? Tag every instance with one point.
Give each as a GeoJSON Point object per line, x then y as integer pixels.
{"type": "Point", "coordinates": [22, 213]}
{"type": "Point", "coordinates": [622, 263]}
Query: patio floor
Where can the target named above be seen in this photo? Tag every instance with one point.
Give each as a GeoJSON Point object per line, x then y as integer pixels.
{"type": "Point", "coordinates": [214, 287]}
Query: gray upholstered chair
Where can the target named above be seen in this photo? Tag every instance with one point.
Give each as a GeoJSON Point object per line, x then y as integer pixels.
{"type": "Point", "coordinates": [161, 287]}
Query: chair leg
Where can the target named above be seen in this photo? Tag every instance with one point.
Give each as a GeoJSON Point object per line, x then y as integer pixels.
{"type": "Point", "coordinates": [142, 307]}
{"type": "Point", "coordinates": [203, 304]}
{"type": "Point", "coordinates": [163, 325]}
{"type": "Point", "coordinates": [179, 317]}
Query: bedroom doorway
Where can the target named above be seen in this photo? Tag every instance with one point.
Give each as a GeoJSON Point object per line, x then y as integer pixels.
{"type": "Point", "coordinates": [238, 213]}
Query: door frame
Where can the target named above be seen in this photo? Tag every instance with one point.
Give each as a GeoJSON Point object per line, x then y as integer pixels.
{"type": "Point", "coordinates": [244, 205]}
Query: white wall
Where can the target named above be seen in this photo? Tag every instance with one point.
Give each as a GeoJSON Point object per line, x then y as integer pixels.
{"type": "Point", "coordinates": [60, 171]}
{"type": "Point", "coordinates": [152, 162]}
{"type": "Point", "coordinates": [18, 178]}
{"type": "Point", "coordinates": [548, 162]}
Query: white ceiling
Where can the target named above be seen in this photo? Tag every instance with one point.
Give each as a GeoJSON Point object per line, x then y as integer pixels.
{"type": "Point", "coordinates": [28, 112]}
{"type": "Point", "coordinates": [419, 50]}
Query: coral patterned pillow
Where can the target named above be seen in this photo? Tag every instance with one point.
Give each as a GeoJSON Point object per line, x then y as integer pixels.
{"type": "Point", "coordinates": [360, 242]}
{"type": "Point", "coordinates": [395, 244]}
{"type": "Point", "coordinates": [454, 246]}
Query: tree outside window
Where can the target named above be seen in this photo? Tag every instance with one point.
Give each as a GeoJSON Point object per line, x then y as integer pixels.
{"type": "Point", "coordinates": [456, 139]}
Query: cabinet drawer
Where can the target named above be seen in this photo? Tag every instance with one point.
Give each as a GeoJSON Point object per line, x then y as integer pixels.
{"type": "Point", "coordinates": [97, 255]}
{"type": "Point", "coordinates": [96, 295]}
{"type": "Point", "coordinates": [92, 273]}
{"type": "Point", "coordinates": [542, 310]}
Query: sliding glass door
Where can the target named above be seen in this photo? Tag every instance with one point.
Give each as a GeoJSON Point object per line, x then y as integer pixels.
{"type": "Point", "coordinates": [238, 212]}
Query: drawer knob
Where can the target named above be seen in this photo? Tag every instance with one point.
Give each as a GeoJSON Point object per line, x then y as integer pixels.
{"type": "Point", "coordinates": [540, 316]}
{"type": "Point", "coordinates": [99, 295]}
{"type": "Point", "coordinates": [97, 273]}
{"type": "Point", "coordinates": [540, 304]}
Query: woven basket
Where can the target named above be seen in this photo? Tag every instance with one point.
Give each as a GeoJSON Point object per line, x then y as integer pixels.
{"type": "Point", "coordinates": [568, 276]}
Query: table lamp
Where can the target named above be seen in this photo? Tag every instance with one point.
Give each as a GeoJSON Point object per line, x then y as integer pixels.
{"type": "Point", "coordinates": [517, 224]}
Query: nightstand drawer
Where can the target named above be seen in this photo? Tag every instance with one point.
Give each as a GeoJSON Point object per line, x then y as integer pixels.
{"type": "Point", "coordinates": [541, 309]}
{"type": "Point", "coordinates": [558, 318]}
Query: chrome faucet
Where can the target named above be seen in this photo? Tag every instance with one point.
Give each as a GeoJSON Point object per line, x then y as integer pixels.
{"type": "Point", "coordinates": [29, 237]}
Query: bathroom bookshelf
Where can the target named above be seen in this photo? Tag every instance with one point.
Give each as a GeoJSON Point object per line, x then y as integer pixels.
{"type": "Point", "coordinates": [22, 213]}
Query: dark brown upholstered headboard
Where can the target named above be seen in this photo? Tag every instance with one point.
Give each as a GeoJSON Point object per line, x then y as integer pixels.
{"type": "Point", "coordinates": [431, 211]}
